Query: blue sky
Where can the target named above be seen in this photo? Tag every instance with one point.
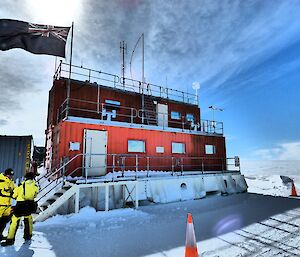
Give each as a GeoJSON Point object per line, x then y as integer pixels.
{"type": "Point", "coordinates": [245, 54]}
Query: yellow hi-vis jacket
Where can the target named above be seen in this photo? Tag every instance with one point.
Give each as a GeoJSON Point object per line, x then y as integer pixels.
{"type": "Point", "coordinates": [28, 190]}
{"type": "Point", "coordinates": [7, 187]}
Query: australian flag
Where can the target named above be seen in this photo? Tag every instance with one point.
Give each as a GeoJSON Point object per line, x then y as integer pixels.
{"type": "Point", "coordinates": [34, 38]}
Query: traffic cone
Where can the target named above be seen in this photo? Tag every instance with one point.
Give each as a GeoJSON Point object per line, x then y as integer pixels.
{"type": "Point", "coordinates": [293, 191]}
{"type": "Point", "coordinates": [190, 243]}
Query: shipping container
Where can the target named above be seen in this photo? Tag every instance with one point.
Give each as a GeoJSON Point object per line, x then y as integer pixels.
{"type": "Point", "coordinates": [15, 153]}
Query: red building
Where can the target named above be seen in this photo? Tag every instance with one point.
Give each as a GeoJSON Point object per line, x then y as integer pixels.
{"type": "Point", "coordinates": [100, 123]}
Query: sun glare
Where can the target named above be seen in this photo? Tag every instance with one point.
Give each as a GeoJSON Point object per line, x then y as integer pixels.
{"type": "Point", "coordinates": [54, 12]}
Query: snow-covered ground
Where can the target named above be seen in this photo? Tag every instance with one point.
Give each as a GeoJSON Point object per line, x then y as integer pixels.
{"type": "Point", "coordinates": [236, 225]}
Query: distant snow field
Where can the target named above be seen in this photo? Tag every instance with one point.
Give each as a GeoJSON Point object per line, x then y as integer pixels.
{"type": "Point", "coordinates": [263, 177]}
{"type": "Point", "coordinates": [266, 223]}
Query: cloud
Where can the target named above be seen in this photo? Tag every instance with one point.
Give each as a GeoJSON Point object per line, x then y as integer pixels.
{"type": "Point", "coordinates": [285, 151]}
{"type": "Point", "coordinates": [3, 122]}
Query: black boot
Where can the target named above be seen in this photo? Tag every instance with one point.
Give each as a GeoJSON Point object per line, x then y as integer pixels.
{"type": "Point", "coordinates": [7, 242]}
{"type": "Point", "coordinates": [3, 238]}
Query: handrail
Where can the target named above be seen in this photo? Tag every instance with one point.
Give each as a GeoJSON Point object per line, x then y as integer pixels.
{"type": "Point", "coordinates": [206, 126]}
{"type": "Point", "coordinates": [125, 83]}
{"type": "Point", "coordinates": [175, 162]}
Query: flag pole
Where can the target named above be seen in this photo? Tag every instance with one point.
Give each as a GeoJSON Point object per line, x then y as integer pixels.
{"type": "Point", "coordinates": [70, 71]}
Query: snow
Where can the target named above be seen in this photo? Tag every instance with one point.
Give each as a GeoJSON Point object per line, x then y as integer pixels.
{"type": "Point", "coordinates": [263, 224]}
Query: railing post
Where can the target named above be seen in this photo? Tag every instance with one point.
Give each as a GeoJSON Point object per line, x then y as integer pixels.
{"type": "Point", "coordinates": [122, 163]}
{"type": "Point", "coordinates": [98, 98]}
{"type": "Point", "coordinates": [181, 166]}
{"type": "Point", "coordinates": [114, 163]}
{"type": "Point", "coordinates": [148, 166]}
{"type": "Point", "coordinates": [136, 164]}
{"type": "Point", "coordinates": [172, 166]}
{"type": "Point", "coordinates": [102, 111]}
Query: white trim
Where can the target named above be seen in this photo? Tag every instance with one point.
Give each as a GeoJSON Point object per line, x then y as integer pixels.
{"type": "Point", "coordinates": [138, 126]}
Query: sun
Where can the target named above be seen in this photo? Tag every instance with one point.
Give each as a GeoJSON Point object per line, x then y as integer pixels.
{"type": "Point", "coordinates": [54, 12]}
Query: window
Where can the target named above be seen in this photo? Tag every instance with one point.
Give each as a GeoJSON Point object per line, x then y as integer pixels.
{"type": "Point", "coordinates": [175, 115]}
{"type": "Point", "coordinates": [160, 149]}
{"type": "Point", "coordinates": [190, 117]}
{"type": "Point", "coordinates": [178, 148]}
{"type": "Point", "coordinates": [210, 149]}
{"type": "Point", "coordinates": [136, 146]}
{"type": "Point", "coordinates": [112, 102]}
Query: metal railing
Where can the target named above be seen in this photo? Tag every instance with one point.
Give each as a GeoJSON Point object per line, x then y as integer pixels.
{"type": "Point", "coordinates": [105, 111]}
{"type": "Point", "coordinates": [111, 80]}
{"type": "Point", "coordinates": [120, 163]}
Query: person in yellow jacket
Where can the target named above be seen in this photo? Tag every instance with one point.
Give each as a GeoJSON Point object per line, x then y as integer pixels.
{"type": "Point", "coordinates": [24, 194]}
{"type": "Point", "coordinates": [6, 190]}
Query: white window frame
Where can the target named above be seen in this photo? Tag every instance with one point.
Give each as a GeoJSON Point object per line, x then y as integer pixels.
{"type": "Point", "coordinates": [175, 117]}
{"type": "Point", "coordinates": [188, 119]}
{"type": "Point", "coordinates": [143, 150]}
{"type": "Point", "coordinates": [174, 144]}
{"type": "Point", "coordinates": [210, 149]}
{"type": "Point", "coordinates": [160, 149]}
{"type": "Point", "coordinates": [113, 102]}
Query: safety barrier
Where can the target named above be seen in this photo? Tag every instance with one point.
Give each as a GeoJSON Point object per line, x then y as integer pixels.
{"type": "Point", "coordinates": [105, 111]}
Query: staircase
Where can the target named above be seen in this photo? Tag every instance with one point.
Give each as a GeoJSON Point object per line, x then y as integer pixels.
{"type": "Point", "coordinates": [150, 111]}
{"type": "Point", "coordinates": [55, 201]}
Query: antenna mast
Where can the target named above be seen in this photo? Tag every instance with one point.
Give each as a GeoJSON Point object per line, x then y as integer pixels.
{"type": "Point", "coordinates": [123, 50]}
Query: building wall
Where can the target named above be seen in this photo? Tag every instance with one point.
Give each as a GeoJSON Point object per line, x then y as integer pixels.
{"type": "Point", "coordinates": [118, 137]}
{"type": "Point", "coordinates": [88, 94]}
{"type": "Point", "coordinates": [15, 153]}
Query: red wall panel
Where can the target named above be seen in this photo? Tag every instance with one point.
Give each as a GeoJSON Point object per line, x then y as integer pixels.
{"type": "Point", "coordinates": [118, 138]}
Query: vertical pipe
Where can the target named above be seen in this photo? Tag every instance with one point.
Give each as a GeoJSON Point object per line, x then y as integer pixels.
{"type": "Point", "coordinates": [143, 65]}
{"type": "Point", "coordinates": [136, 164]}
{"type": "Point", "coordinates": [70, 72]}
{"type": "Point", "coordinates": [131, 115]}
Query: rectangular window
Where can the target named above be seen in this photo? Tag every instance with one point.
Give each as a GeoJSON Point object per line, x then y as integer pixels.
{"type": "Point", "coordinates": [210, 149]}
{"type": "Point", "coordinates": [178, 148]}
{"type": "Point", "coordinates": [190, 117]}
{"type": "Point", "coordinates": [136, 146]}
{"type": "Point", "coordinates": [112, 102]}
{"type": "Point", "coordinates": [160, 149]}
{"type": "Point", "coordinates": [175, 115]}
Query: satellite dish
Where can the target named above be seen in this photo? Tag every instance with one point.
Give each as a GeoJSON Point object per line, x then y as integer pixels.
{"type": "Point", "coordinates": [196, 85]}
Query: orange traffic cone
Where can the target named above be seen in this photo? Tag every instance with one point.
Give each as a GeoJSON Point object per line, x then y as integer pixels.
{"type": "Point", "coordinates": [190, 243]}
{"type": "Point", "coordinates": [293, 192]}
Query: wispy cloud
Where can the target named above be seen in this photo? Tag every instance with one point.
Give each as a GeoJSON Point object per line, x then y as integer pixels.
{"type": "Point", "coordinates": [3, 122]}
{"type": "Point", "coordinates": [285, 151]}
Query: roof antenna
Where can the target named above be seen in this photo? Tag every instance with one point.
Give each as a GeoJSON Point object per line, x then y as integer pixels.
{"type": "Point", "coordinates": [123, 51]}
{"type": "Point", "coordinates": [196, 87]}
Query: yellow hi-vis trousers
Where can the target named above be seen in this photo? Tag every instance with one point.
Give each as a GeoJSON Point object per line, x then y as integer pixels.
{"type": "Point", "coordinates": [15, 221]}
{"type": "Point", "coordinates": [4, 217]}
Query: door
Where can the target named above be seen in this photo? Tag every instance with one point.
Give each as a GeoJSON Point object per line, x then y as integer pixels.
{"type": "Point", "coordinates": [162, 115]}
{"type": "Point", "coordinates": [95, 149]}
